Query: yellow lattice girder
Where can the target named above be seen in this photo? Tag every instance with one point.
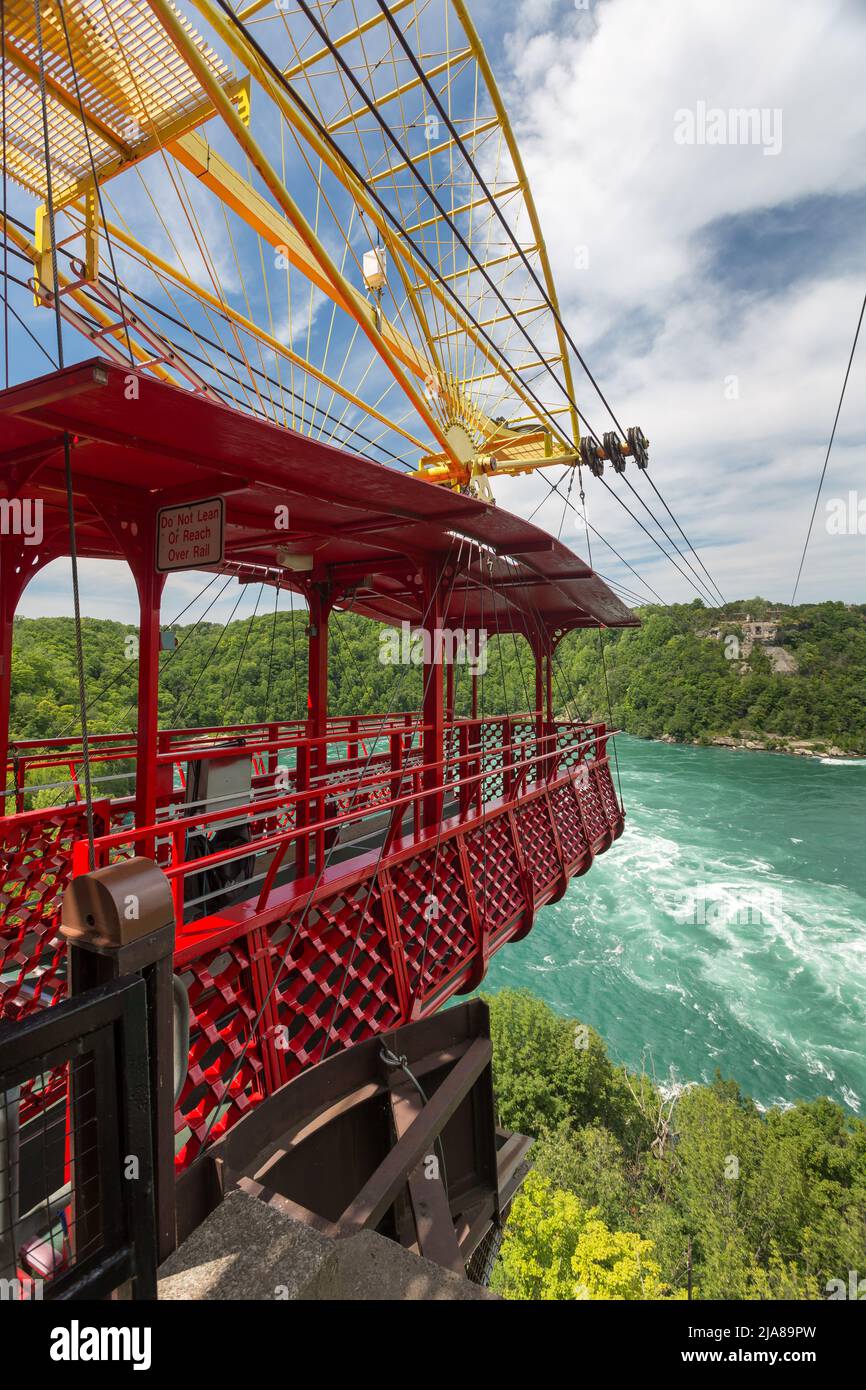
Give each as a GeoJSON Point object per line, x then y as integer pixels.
{"type": "Point", "coordinates": [194, 153]}
{"type": "Point", "coordinates": [150, 88]}
{"type": "Point", "coordinates": [464, 207]}
{"type": "Point", "coordinates": [482, 128]}
{"type": "Point", "coordinates": [236, 91]}
{"type": "Point", "coordinates": [124, 86]}
{"type": "Point", "coordinates": [15, 54]}
{"type": "Point", "coordinates": [404, 255]}
{"type": "Point", "coordinates": [360, 31]}
{"type": "Point", "coordinates": [279, 192]}
{"type": "Point", "coordinates": [453, 60]}
{"type": "Point", "coordinates": [520, 170]}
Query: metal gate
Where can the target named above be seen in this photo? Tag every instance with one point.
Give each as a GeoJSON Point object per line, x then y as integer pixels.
{"type": "Point", "coordinates": [77, 1217]}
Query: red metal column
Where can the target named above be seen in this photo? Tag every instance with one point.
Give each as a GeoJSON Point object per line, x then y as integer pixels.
{"type": "Point", "coordinates": [549, 683]}
{"type": "Point", "coordinates": [320, 602]}
{"type": "Point", "coordinates": [475, 741]}
{"type": "Point", "coordinates": [9, 595]}
{"type": "Point", "coordinates": [19, 562]}
{"type": "Point", "coordinates": [539, 652]}
{"type": "Point", "coordinates": [433, 716]}
{"type": "Point", "coordinates": [150, 585]}
{"type": "Point", "coordinates": [317, 665]}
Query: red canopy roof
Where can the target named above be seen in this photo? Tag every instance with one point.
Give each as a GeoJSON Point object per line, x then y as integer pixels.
{"type": "Point", "coordinates": [366, 526]}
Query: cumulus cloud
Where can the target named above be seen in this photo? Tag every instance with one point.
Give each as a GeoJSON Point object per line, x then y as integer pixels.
{"type": "Point", "coordinates": [717, 313]}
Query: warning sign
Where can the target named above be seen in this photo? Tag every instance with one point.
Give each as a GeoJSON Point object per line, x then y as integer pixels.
{"type": "Point", "coordinates": [191, 536]}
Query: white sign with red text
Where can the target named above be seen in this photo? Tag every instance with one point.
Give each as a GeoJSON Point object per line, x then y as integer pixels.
{"type": "Point", "coordinates": [190, 537]}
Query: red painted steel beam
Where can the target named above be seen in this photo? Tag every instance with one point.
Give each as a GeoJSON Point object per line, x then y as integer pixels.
{"type": "Point", "coordinates": [19, 562]}
{"type": "Point", "coordinates": [432, 708]}
{"type": "Point", "coordinates": [150, 585]}
{"type": "Point", "coordinates": [8, 603]}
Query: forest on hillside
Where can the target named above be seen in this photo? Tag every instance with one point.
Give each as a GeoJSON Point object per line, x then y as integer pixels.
{"type": "Point", "coordinates": [637, 1194]}
{"type": "Point", "coordinates": [665, 678]}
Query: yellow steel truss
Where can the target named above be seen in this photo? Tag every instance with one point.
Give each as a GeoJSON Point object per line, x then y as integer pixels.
{"type": "Point", "coordinates": [467, 339]}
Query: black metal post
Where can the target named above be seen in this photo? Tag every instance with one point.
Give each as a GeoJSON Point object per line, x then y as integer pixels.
{"type": "Point", "coordinates": [120, 921]}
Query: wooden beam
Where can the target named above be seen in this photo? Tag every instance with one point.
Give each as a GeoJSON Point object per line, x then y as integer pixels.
{"type": "Point", "coordinates": [428, 1195]}
{"type": "Point", "coordinates": [380, 1191]}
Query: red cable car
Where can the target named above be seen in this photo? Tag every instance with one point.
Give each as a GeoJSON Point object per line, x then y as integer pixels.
{"type": "Point", "coordinates": [373, 878]}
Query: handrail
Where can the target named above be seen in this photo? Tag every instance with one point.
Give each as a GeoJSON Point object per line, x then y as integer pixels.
{"type": "Point", "coordinates": [265, 807]}
{"type": "Point", "coordinates": [117, 748]}
{"type": "Point", "coordinates": [464, 772]}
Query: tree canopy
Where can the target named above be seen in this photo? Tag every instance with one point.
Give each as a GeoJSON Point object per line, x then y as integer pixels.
{"type": "Point", "coordinates": [629, 1186]}
{"type": "Point", "coordinates": [666, 678]}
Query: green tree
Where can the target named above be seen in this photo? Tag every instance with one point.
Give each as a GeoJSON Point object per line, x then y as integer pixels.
{"type": "Point", "coordinates": [555, 1248]}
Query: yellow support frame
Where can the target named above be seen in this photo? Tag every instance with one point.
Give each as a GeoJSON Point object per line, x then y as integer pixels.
{"type": "Point", "coordinates": [186, 48]}
{"type": "Point", "coordinates": [520, 170]}
{"type": "Point", "coordinates": [194, 153]}
{"type": "Point", "coordinates": [170, 272]}
{"type": "Point", "coordinates": [403, 253]}
{"type": "Point", "coordinates": [236, 92]}
{"type": "Point", "coordinates": [286, 229]}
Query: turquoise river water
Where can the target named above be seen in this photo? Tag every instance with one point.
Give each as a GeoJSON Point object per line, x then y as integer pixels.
{"type": "Point", "coordinates": [725, 928]}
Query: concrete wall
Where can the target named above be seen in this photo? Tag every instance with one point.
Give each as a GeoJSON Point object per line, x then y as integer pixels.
{"type": "Point", "coordinates": [249, 1250]}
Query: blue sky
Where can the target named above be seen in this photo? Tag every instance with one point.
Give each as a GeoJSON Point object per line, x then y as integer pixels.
{"type": "Point", "coordinates": [713, 289]}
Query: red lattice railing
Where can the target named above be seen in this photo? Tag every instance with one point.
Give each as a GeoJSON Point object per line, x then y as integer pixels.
{"type": "Point", "coordinates": [496, 874]}
{"type": "Point", "coordinates": [35, 867]}
{"type": "Point", "coordinates": [538, 843]}
{"type": "Point", "coordinates": [315, 956]}
{"type": "Point", "coordinates": [226, 1070]}
{"type": "Point", "coordinates": [569, 824]}
{"type": "Point", "coordinates": [436, 924]}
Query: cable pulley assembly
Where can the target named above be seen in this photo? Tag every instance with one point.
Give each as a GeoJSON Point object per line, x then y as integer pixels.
{"type": "Point", "coordinates": [614, 451]}
{"type": "Point", "coordinates": [591, 455]}
{"type": "Point", "coordinates": [639, 445]}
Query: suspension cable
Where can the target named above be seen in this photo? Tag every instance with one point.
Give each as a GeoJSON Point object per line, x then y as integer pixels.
{"type": "Point", "coordinates": [602, 654]}
{"type": "Point", "coordinates": [203, 338]}
{"type": "Point", "coordinates": [127, 667]}
{"type": "Point", "coordinates": [178, 709]}
{"type": "Point", "coordinates": [458, 140]}
{"type": "Point", "coordinates": [96, 184]}
{"type": "Point", "coordinates": [271, 653]}
{"type": "Point", "coordinates": [430, 193]}
{"type": "Point", "coordinates": [386, 212]}
{"type": "Point", "coordinates": [10, 309]}
{"type": "Point", "coordinates": [247, 635]}
{"type": "Point", "coordinates": [829, 447]}
{"type": "Point", "coordinates": [696, 554]}
{"type": "Point", "coordinates": [542, 289]}
{"type": "Point", "coordinates": [703, 587]}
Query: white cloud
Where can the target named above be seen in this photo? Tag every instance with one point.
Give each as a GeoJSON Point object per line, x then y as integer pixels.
{"type": "Point", "coordinates": [307, 303]}
{"type": "Point", "coordinates": [594, 99]}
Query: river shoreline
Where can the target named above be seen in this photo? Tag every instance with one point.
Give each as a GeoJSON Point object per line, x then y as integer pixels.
{"type": "Point", "coordinates": [797, 748]}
